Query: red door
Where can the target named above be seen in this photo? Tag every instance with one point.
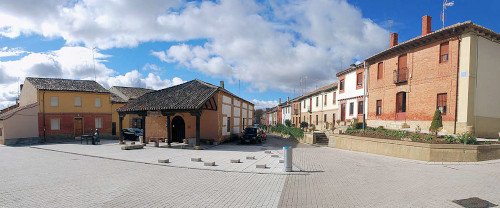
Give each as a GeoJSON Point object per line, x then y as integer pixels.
{"type": "Point", "coordinates": [401, 106]}
{"type": "Point", "coordinates": [402, 69]}
{"type": "Point", "coordinates": [342, 112]}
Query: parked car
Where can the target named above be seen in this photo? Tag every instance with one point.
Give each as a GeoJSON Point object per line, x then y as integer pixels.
{"type": "Point", "coordinates": [251, 134]}
{"type": "Point", "coordinates": [132, 134]}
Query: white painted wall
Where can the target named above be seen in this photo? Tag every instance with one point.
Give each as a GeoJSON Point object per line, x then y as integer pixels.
{"type": "Point", "coordinates": [286, 113]}
{"type": "Point", "coordinates": [350, 94]}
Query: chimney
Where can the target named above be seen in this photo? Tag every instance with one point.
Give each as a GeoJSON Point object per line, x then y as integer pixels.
{"type": "Point", "coordinates": [222, 84]}
{"type": "Point", "coordinates": [394, 39]}
{"type": "Point", "coordinates": [279, 101]}
{"type": "Point", "coordinates": [426, 25]}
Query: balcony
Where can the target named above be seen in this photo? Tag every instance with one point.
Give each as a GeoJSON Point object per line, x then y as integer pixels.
{"type": "Point", "coordinates": [401, 76]}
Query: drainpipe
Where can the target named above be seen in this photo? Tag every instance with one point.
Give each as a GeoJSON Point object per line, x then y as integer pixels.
{"type": "Point", "coordinates": [456, 90]}
{"type": "Point", "coordinates": [365, 88]}
{"type": "Point", "coordinates": [43, 116]}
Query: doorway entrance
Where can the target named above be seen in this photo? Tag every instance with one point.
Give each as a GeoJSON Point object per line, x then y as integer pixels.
{"type": "Point", "coordinates": [78, 122]}
{"type": "Point", "coordinates": [342, 112]}
{"type": "Point", "coordinates": [178, 129]}
{"type": "Point", "coordinates": [401, 106]}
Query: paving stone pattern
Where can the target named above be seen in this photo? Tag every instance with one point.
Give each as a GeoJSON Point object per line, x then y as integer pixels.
{"type": "Point", "coordinates": [32, 177]}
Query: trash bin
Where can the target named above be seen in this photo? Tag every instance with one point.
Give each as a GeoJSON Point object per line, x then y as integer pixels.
{"type": "Point", "coordinates": [287, 153]}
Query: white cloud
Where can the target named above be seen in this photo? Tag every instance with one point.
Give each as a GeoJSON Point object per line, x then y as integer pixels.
{"type": "Point", "coordinates": [263, 104]}
{"type": "Point", "coordinates": [7, 52]}
{"type": "Point", "coordinates": [268, 45]}
{"type": "Point", "coordinates": [71, 63]}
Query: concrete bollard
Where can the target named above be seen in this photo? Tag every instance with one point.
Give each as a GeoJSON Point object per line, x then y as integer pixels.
{"type": "Point", "coordinates": [275, 156]}
{"type": "Point", "coordinates": [196, 159]}
{"type": "Point", "coordinates": [287, 153]}
{"type": "Point", "coordinates": [261, 166]}
{"type": "Point", "coordinates": [163, 160]}
{"type": "Point", "coordinates": [268, 152]}
{"type": "Point", "coordinates": [282, 161]}
{"type": "Point", "coordinates": [235, 161]}
{"type": "Point", "coordinates": [209, 163]}
{"type": "Point", "coordinates": [250, 157]}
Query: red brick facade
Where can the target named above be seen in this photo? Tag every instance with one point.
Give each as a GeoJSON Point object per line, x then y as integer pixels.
{"type": "Point", "coordinates": [67, 124]}
{"type": "Point", "coordinates": [427, 78]}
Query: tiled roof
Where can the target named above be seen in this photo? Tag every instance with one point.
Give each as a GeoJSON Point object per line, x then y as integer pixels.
{"type": "Point", "coordinates": [12, 112]}
{"type": "Point", "coordinates": [350, 69]}
{"type": "Point", "coordinates": [447, 32]}
{"type": "Point", "coordinates": [53, 84]}
{"type": "Point", "coordinates": [117, 99]}
{"type": "Point", "coordinates": [319, 90]}
{"type": "Point", "coordinates": [130, 92]}
{"type": "Point", "coordinates": [187, 96]}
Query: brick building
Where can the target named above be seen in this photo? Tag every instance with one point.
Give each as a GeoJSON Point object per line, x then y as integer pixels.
{"type": "Point", "coordinates": [351, 96]}
{"type": "Point", "coordinates": [454, 69]}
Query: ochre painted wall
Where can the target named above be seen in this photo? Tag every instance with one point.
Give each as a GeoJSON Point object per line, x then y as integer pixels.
{"type": "Point", "coordinates": [67, 102]}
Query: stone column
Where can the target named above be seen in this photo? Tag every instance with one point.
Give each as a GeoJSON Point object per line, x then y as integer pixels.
{"type": "Point", "coordinates": [120, 127]}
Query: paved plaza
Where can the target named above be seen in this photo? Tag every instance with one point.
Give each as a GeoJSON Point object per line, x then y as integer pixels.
{"type": "Point", "coordinates": [36, 177]}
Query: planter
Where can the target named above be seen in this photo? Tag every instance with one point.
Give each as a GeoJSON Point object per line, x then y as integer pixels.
{"type": "Point", "coordinates": [417, 151]}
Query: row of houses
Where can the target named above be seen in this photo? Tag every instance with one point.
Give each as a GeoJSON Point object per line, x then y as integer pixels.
{"type": "Point", "coordinates": [51, 109]}
{"type": "Point", "coordinates": [454, 69]}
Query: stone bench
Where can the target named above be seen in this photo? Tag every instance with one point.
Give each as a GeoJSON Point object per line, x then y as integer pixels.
{"type": "Point", "coordinates": [261, 166]}
{"type": "Point", "coordinates": [235, 161]}
{"type": "Point", "coordinates": [163, 160]}
{"type": "Point", "coordinates": [250, 157]}
{"type": "Point", "coordinates": [196, 159]}
{"type": "Point", "coordinates": [209, 164]}
{"type": "Point", "coordinates": [132, 147]}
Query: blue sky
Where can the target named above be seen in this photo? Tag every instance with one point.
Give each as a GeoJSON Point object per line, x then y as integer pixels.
{"type": "Point", "coordinates": [260, 49]}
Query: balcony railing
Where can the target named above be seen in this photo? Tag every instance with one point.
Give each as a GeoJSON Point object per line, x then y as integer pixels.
{"type": "Point", "coordinates": [401, 75]}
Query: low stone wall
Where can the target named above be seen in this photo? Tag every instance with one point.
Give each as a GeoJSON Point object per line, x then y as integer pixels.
{"type": "Point", "coordinates": [309, 138]}
{"type": "Point", "coordinates": [415, 150]}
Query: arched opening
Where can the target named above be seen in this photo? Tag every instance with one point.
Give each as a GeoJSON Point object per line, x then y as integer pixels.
{"type": "Point", "coordinates": [178, 129]}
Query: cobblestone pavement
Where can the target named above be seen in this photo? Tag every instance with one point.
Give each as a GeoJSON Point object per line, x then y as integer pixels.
{"type": "Point", "coordinates": [336, 178]}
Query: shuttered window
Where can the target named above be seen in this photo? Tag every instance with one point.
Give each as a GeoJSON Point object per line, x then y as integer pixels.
{"type": "Point", "coordinates": [359, 79]}
{"type": "Point", "coordinates": [378, 110]}
{"type": "Point", "coordinates": [360, 107]}
{"type": "Point", "coordinates": [380, 70]}
{"type": "Point", "coordinates": [341, 87]}
{"type": "Point", "coordinates": [351, 109]}
{"type": "Point", "coordinates": [334, 97]}
{"type": "Point", "coordinates": [441, 103]}
{"type": "Point", "coordinates": [325, 101]}
{"type": "Point", "coordinates": [443, 52]}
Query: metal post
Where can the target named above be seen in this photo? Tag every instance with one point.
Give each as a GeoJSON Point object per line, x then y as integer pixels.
{"type": "Point", "coordinates": [287, 152]}
{"type": "Point", "coordinates": [169, 131]}
{"type": "Point", "coordinates": [120, 127]}
{"type": "Point", "coordinates": [197, 143]}
{"type": "Point", "coordinates": [143, 126]}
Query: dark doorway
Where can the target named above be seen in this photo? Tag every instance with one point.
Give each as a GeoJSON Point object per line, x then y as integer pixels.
{"type": "Point", "coordinates": [401, 106]}
{"type": "Point", "coordinates": [113, 128]}
{"type": "Point", "coordinates": [178, 129]}
{"type": "Point", "coordinates": [78, 125]}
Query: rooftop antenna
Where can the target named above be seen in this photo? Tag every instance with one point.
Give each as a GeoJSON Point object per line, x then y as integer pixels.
{"type": "Point", "coordinates": [239, 87]}
{"type": "Point", "coordinates": [390, 23]}
{"type": "Point", "coordinates": [446, 4]}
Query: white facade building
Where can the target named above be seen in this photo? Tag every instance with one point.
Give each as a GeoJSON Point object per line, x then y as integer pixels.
{"type": "Point", "coordinates": [351, 96]}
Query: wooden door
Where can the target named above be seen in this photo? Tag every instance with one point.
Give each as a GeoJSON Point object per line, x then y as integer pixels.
{"type": "Point", "coordinates": [402, 68]}
{"type": "Point", "coordinates": [401, 106]}
{"type": "Point", "coordinates": [342, 112]}
{"type": "Point", "coordinates": [78, 122]}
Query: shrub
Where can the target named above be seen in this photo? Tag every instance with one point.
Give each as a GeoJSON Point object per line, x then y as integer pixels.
{"type": "Point", "coordinates": [428, 138]}
{"type": "Point", "coordinates": [304, 124]}
{"type": "Point", "coordinates": [466, 138]}
{"type": "Point", "coordinates": [418, 129]}
{"type": "Point", "coordinates": [450, 139]}
{"type": "Point", "coordinates": [415, 137]}
{"type": "Point", "coordinates": [437, 122]}
{"type": "Point", "coordinates": [288, 122]}
{"type": "Point", "coordinates": [312, 127]}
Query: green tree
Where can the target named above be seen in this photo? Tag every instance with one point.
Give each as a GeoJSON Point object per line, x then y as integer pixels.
{"type": "Point", "coordinates": [304, 124]}
{"type": "Point", "coordinates": [288, 122]}
{"type": "Point", "coordinates": [437, 122]}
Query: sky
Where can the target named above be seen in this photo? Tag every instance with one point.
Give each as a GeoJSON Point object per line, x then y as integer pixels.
{"type": "Point", "coordinates": [262, 50]}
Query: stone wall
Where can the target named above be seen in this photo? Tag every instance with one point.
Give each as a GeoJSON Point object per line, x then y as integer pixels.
{"type": "Point", "coordinates": [415, 150]}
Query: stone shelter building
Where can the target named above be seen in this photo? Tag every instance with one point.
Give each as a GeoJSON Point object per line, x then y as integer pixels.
{"type": "Point", "coordinates": [194, 110]}
{"type": "Point", "coordinates": [119, 97]}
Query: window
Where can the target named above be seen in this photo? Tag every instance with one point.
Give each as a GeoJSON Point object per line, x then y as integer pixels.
{"type": "Point", "coordinates": [78, 102]}
{"type": "Point", "coordinates": [333, 119]}
{"type": "Point", "coordinates": [98, 123]}
{"type": "Point", "coordinates": [402, 73]}
{"type": "Point", "coordinates": [98, 102]}
{"type": "Point", "coordinates": [1, 132]}
{"type": "Point", "coordinates": [360, 107]}
{"type": "Point", "coordinates": [316, 119]}
{"type": "Point", "coordinates": [243, 120]}
{"type": "Point", "coordinates": [443, 52]}
{"type": "Point", "coordinates": [55, 124]}
{"type": "Point", "coordinates": [324, 118]}
{"type": "Point", "coordinates": [334, 97]}
{"type": "Point", "coordinates": [378, 110]}
{"type": "Point", "coordinates": [54, 101]}
{"type": "Point", "coordinates": [317, 101]}
{"type": "Point", "coordinates": [351, 109]}
{"type": "Point", "coordinates": [441, 103]}
{"type": "Point", "coordinates": [304, 104]}
{"type": "Point", "coordinates": [380, 70]}
{"type": "Point", "coordinates": [341, 85]}
{"type": "Point", "coordinates": [359, 79]}
{"type": "Point", "coordinates": [325, 101]}
{"type": "Point", "coordinates": [228, 129]}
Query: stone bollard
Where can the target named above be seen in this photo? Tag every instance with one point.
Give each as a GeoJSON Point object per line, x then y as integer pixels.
{"type": "Point", "coordinates": [196, 159]}
{"type": "Point", "coordinates": [209, 163]}
{"type": "Point", "coordinates": [287, 153]}
{"type": "Point", "coordinates": [261, 166]}
{"type": "Point", "coordinates": [235, 161]}
{"type": "Point", "coordinates": [157, 144]}
{"type": "Point", "coordinates": [250, 157]}
{"type": "Point", "coordinates": [275, 156]}
{"type": "Point", "coordinates": [268, 152]}
{"type": "Point", "coordinates": [163, 161]}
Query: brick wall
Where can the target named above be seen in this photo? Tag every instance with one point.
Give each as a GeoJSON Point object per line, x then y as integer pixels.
{"type": "Point", "coordinates": [67, 124]}
{"type": "Point", "coordinates": [428, 78]}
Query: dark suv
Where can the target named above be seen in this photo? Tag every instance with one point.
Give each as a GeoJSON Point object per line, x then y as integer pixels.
{"type": "Point", "coordinates": [251, 134]}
